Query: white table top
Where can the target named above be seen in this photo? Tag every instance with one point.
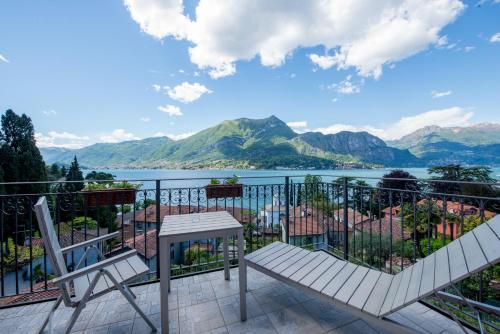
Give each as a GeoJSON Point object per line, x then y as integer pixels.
{"type": "Point", "coordinates": [198, 223]}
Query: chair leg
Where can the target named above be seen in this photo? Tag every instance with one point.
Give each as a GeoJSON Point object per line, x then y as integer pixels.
{"type": "Point", "coordinates": [130, 299]}
{"type": "Point", "coordinates": [49, 316]}
{"type": "Point", "coordinates": [82, 302]}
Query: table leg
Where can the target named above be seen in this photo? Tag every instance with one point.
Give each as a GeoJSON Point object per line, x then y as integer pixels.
{"type": "Point", "coordinates": [226, 259]}
{"type": "Point", "coordinates": [164, 253]}
{"type": "Point", "coordinates": [242, 269]}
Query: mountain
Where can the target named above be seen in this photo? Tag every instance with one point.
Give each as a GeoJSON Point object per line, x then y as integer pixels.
{"type": "Point", "coordinates": [474, 145]}
{"type": "Point", "coordinates": [262, 143]}
{"type": "Point", "coordinates": [360, 145]}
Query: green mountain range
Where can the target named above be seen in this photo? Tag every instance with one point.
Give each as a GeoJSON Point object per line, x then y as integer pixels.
{"type": "Point", "coordinates": [473, 145]}
{"type": "Point", "coordinates": [241, 143]}
{"type": "Point", "coordinates": [270, 143]}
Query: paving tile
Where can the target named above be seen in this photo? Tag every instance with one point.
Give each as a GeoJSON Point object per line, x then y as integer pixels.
{"type": "Point", "coordinates": [294, 319]}
{"type": "Point", "coordinates": [230, 308]}
{"type": "Point", "coordinates": [257, 325]}
{"type": "Point", "coordinates": [356, 327]}
{"type": "Point", "coordinates": [200, 317]}
{"type": "Point", "coordinates": [327, 315]}
{"type": "Point", "coordinates": [122, 327]}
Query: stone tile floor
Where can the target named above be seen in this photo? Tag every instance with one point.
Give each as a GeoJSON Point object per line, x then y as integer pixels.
{"type": "Point", "coordinates": [207, 303]}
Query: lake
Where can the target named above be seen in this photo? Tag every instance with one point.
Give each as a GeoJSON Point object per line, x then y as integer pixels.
{"type": "Point", "coordinates": [197, 178]}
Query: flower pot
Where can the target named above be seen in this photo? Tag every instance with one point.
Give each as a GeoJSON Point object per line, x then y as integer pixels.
{"type": "Point", "coordinates": [109, 196]}
{"type": "Point", "coordinates": [224, 190]}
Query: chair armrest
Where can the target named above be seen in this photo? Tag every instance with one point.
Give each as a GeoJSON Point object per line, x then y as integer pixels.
{"type": "Point", "coordinates": [90, 242]}
{"type": "Point", "coordinates": [93, 267]}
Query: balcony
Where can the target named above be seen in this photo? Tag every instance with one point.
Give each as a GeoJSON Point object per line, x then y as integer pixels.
{"type": "Point", "coordinates": [363, 223]}
{"type": "Point", "coordinates": [206, 303]}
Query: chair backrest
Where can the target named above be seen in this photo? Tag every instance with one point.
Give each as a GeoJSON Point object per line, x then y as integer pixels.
{"type": "Point", "coordinates": [51, 242]}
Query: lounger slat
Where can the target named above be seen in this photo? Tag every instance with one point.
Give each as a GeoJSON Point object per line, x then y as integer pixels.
{"type": "Point", "coordinates": [350, 286]}
{"type": "Point", "coordinates": [391, 294]}
{"type": "Point", "coordinates": [489, 243]}
{"type": "Point", "coordinates": [416, 278]}
{"type": "Point", "coordinates": [318, 271]}
{"type": "Point", "coordinates": [338, 281]}
{"type": "Point", "coordinates": [458, 268]}
{"type": "Point", "coordinates": [427, 280]}
{"type": "Point", "coordinates": [377, 297]}
{"type": "Point", "coordinates": [328, 275]}
{"type": "Point", "coordinates": [403, 288]}
{"type": "Point", "coordinates": [270, 265]}
{"type": "Point", "coordinates": [494, 223]}
{"type": "Point", "coordinates": [442, 269]}
{"type": "Point", "coordinates": [365, 288]}
{"type": "Point", "coordinates": [268, 252]}
{"type": "Point", "coordinates": [299, 274]}
{"type": "Point", "coordinates": [284, 265]}
{"type": "Point", "coordinates": [473, 253]}
{"type": "Point", "coordinates": [299, 264]}
{"type": "Point", "coordinates": [262, 250]}
{"type": "Point", "coordinates": [267, 259]}
{"type": "Point", "coordinates": [125, 270]}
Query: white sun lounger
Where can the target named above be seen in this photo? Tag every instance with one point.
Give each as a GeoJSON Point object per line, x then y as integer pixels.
{"type": "Point", "coordinates": [371, 294]}
{"type": "Point", "coordinates": [91, 281]}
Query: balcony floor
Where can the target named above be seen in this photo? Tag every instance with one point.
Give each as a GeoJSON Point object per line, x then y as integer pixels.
{"type": "Point", "coordinates": [207, 303]}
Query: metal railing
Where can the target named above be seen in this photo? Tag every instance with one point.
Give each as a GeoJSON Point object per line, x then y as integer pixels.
{"type": "Point", "coordinates": [364, 222]}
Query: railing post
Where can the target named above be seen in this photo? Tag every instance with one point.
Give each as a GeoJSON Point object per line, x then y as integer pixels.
{"type": "Point", "coordinates": [346, 218]}
{"type": "Point", "coordinates": [287, 209]}
{"type": "Point", "coordinates": [158, 225]}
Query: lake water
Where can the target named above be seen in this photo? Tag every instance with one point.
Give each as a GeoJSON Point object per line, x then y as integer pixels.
{"type": "Point", "coordinates": [197, 178]}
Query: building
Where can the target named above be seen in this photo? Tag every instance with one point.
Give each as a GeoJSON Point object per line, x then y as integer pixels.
{"type": "Point", "coordinates": [272, 214]}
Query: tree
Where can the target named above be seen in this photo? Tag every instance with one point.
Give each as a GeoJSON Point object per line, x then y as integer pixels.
{"type": "Point", "coordinates": [2, 188]}
{"type": "Point", "coordinates": [21, 160]}
{"type": "Point", "coordinates": [419, 220]}
{"type": "Point", "coordinates": [64, 171]}
{"type": "Point", "coordinates": [74, 174]}
{"type": "Point", "coordinates": [100, 176]}
{"type": "Point", "coordinates": [391, 187]}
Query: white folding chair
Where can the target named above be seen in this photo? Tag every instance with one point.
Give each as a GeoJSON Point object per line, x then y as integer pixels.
{"type": "Point", "coordinates": [93, 280]}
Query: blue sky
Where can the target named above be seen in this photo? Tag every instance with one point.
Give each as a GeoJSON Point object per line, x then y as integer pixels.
{"type": "Point", "coordinates": [106, 71]}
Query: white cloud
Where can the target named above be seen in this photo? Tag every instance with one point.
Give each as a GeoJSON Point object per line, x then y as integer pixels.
{"type": "Point", "coordinates": [187, 92]}
{"type": "Point", "coordinates": [325, 62]}
{"type": "Point", "coordinates": [145, 119]}
{"type": "Point", "coordinates": [469, 48]}
{"type": "Point", "coordinates": [358, 33]}
{"type": "Point", "coordinates": [170, 110]}
{"type": "Point", "coordinates": [346, 86]}
{"type": "Point", "coordinates": [299, 124]}
{"type": "Point", "coordinates": [174, 137]}
{"type": "Point", "coordinates": [156, 88]}
{"type": "Point", "coordinates": [180, 136]}
{"type": "Point", "coordinates": [454, 116]}
{"type": "Point", "coordinates": [495, 38]}
{"type": "Point", "coordinates": [2, 58]}
{"type": "Point", "coordinates": [49, 112]}
{"type": "Point", "coordinates": [118, 135]}
{"type": "Point", "coordinates": [60, 139]}
{"type": "Point", "coordinates": [437, 94]}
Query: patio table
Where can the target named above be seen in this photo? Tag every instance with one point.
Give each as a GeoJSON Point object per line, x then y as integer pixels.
{"type": "Point", "coordinates": [199, 226]}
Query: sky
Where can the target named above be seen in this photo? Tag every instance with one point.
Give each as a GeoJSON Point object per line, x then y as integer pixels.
{"type": "Point", "coordinates": [108, 71]}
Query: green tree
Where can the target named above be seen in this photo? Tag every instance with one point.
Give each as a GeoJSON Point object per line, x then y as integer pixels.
{"type": "Point", "coordinates": [74, 174]}
{"type": "Point", "coordinates": [21, 160]}
{"type": "Point", "coordinates": [419, 220]}
{"type": "Point", "coordinates": [64, 171]}
{"type": "Point", "coordinates": [2, 188]}
{"type": "Point", "coordinates": [100, 176]}
{"type": "Point", "coordinates": [392, 185]}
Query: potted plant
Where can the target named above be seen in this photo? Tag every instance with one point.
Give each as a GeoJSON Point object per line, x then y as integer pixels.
{"type": "Point", "coordinates": [230, 188]}
{"type": "Point", "coordinates": [98, 193]}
